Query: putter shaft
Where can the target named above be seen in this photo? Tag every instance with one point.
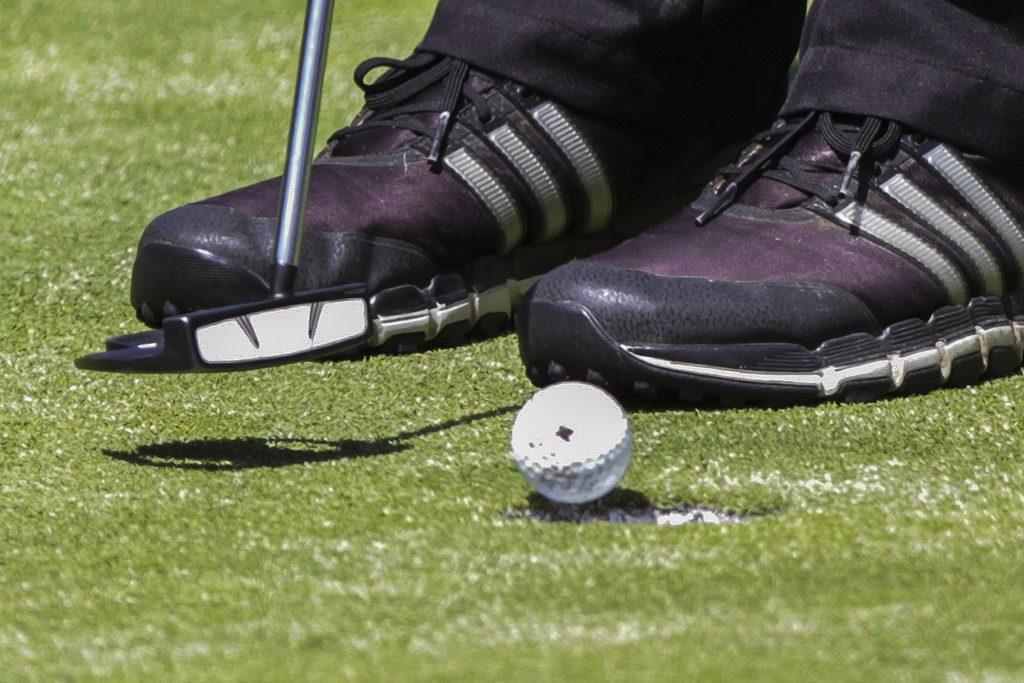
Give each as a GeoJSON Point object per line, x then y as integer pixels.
{"type": "Point", "coordinates": [295, 185]}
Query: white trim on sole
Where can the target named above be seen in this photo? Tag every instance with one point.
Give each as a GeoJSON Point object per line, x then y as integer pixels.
{"type": "Point", "coordinates": [431, 322]}
{"type": "Point", "coordinates": [831, 381]}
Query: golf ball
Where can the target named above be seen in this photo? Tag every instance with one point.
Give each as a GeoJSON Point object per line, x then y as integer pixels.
{"type": "Point", "coordinates": [572, 442]}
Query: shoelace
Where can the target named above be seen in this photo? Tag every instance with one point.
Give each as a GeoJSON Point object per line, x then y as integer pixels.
{"type": "Point", "coordinates": [386, 97]}
{"type": "Point", "coordinates": [767, 157]}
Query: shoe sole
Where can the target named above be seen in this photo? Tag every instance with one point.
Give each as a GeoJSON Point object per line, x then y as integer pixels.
{"type": "Point", "coordinates": [958, 346]}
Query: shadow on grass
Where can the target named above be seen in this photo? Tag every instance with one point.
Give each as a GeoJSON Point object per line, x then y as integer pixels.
{"type": "Point", "coordinates": [232, 455]}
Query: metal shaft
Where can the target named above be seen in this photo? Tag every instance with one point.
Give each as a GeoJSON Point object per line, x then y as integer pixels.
{"type": "Point", "coordinates": [295, 186]}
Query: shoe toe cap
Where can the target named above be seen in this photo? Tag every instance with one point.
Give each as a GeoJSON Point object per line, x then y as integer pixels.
{"type": "Point", "coordinates": [219, 230]}
{"type": "Point", "coordinates": [204, 255]}
{"type": "Point", "coordinates": [200, 256]}
{"type": "Point", "coordinates": [640, 308]}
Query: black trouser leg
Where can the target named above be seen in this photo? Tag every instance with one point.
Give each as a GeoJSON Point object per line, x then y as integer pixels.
{"type": "Point", "coordinates": [638, 60]}
{"type": "Point", "coordinates": [953, 69]}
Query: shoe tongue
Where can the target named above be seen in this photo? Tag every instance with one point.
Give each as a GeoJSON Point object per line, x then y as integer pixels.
{"type": "Point", "coordinates": [766, 193]}
{"type": "Point", "coordinates": [372, 141]}
{"type": "Point", "coordinates": [386, 140]}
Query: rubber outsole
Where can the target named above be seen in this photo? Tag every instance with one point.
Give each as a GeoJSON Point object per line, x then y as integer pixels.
{"type": "Point", "coordinates": [958, 346]}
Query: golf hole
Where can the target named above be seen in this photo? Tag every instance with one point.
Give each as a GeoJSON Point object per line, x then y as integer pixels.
{"type": "Point", "coordinates": [622, 507]}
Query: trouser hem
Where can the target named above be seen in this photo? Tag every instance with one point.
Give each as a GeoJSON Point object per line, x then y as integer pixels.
{"type": "Point", "coordinates": [545, 55]}
{"type": "Point", "coordinates": [966, 110]}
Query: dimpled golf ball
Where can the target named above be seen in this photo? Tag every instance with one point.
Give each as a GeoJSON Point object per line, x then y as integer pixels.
{"type": "Point", "coordinates": [572, 442]}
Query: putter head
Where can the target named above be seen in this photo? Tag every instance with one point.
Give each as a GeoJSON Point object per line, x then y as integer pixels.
{"type": "Point", "coordinates": [278, 331]}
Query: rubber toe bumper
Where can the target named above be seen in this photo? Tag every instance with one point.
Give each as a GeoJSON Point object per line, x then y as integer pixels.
{"type": "Point", "coordinates": [636, 308]}
{"type": "Point", "coordinates": [204, 256]}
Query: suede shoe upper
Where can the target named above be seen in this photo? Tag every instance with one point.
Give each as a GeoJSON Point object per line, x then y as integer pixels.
{"type": "Point", "coordinates": [811, 245]}
{"type": "Point", "coordinates": [445, 165]}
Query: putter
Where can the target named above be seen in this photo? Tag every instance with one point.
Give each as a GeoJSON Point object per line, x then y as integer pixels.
{"type": "Point", "coordinates": [289, 326]}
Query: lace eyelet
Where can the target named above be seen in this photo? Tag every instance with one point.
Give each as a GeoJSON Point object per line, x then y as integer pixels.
{"type": "Point", "coordinates": [522, 91]}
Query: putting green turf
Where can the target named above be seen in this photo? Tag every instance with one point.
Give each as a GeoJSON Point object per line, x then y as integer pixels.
{"type": "Point", "coordinates": [342, 520]}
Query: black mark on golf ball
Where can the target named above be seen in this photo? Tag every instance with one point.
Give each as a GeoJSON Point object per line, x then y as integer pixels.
{"type": "Point", "coordinates": [564, 433]}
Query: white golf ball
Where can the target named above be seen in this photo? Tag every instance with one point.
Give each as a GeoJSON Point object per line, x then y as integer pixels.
{"type": "Point", "coordinates": [572, 442]}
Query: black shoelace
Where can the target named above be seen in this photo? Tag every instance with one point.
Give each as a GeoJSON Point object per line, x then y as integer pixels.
{"type": "Point", "coordinates": [767, 157]}
{"type": "Point", "coordinates": [387, 98]}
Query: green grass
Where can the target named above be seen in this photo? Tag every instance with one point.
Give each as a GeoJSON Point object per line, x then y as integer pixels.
{"type": "Point", "coordinates": [342, 520]}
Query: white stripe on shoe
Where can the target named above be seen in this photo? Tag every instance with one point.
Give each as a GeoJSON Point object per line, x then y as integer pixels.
{"type": "Point", "coordinates": [494, 195]}
{"type": "Point", "coordinates": [538, 177]}
{"type": "Point", "coordinates": [584, 160]}
{"type": "Point", "coordinates": [980, 198]}
{"type": "Point", "coordinates": [928, 211]}
{"type": "Point", "coordinates": [881, 229]}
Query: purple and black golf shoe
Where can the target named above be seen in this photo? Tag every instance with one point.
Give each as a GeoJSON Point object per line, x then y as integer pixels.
{"type": "Point", "coordinates": [449, 195]}
{"type": "Point", "coordinates": [840, 258]}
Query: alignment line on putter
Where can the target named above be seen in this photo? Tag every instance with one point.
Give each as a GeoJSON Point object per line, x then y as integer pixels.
{"type": "Point", "coordinates": [289, 327]}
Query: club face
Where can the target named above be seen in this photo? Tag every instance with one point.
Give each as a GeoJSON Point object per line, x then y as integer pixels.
{"type": "Point", "coordinates": [294, 330]}
{"type": "Point", "coordinates": [245, 337]}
